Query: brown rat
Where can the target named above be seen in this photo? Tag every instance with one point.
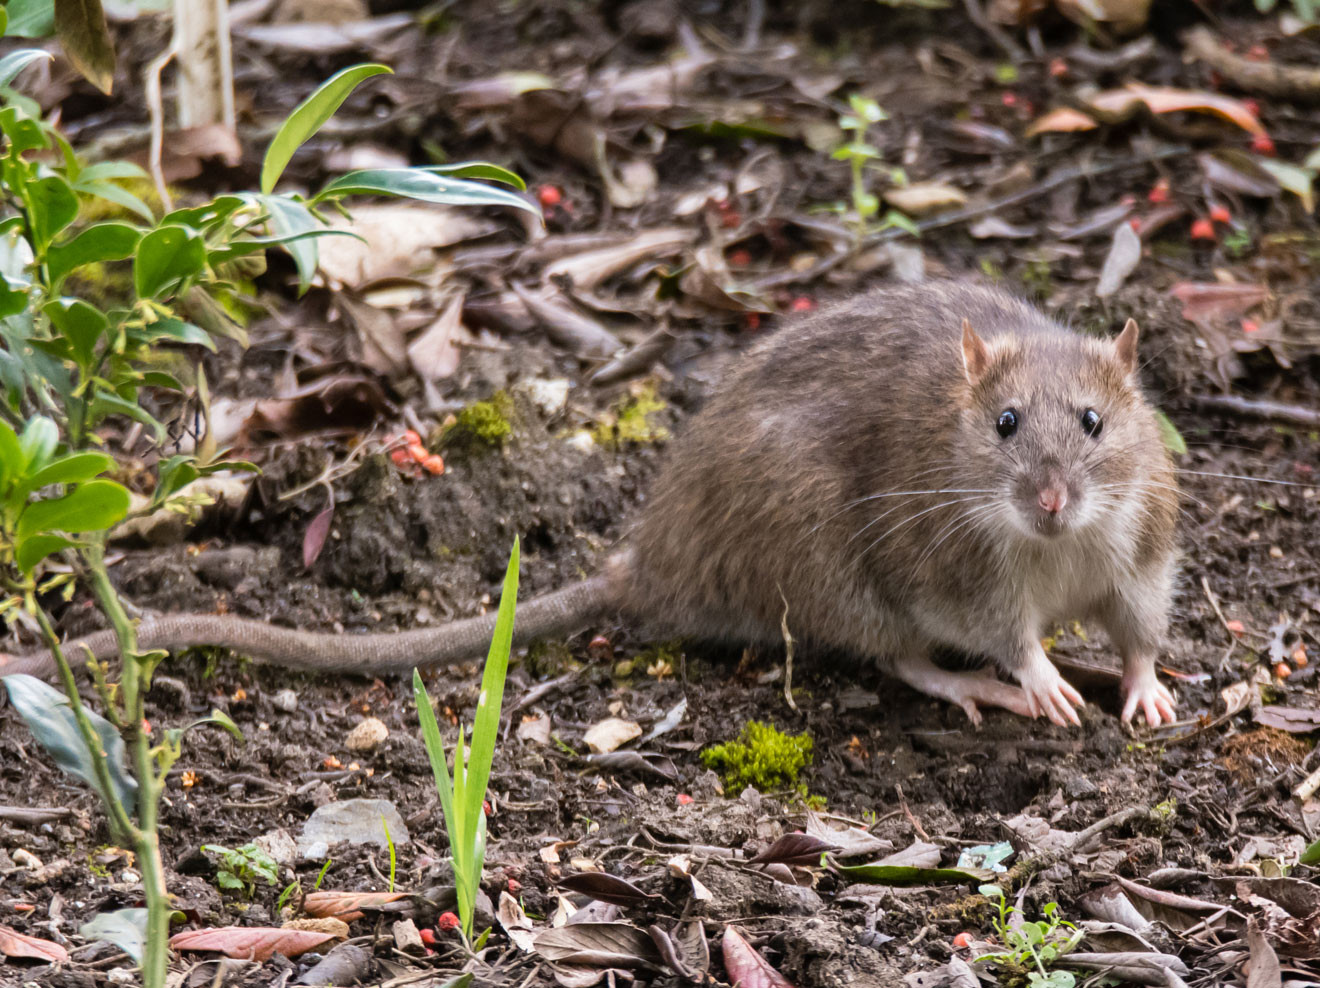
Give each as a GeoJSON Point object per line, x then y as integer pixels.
{"type": "Point", "coordinates": [937, 465]}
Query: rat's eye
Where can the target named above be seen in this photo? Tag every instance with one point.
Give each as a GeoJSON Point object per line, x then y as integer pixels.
{"type": "Point", "coordinates": [1008, 423]}
{"type": "Point", "coordinates": [1092, 423]}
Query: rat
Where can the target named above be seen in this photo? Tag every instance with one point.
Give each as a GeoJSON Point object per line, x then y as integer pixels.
{"type": "Point", "coordinates": [918, 468]}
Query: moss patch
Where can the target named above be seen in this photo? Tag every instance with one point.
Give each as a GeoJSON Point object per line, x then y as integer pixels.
{"type": "Point", "coordinates": [629, 423]}
{"type": "Point", "coordinates": [763, 757]}
{"type": "Point", "coordinates": [482, 426]}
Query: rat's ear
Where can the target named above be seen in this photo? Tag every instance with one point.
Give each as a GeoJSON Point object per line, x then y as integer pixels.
{"type": "Point", "coordinates": [1126, 346]}
{"type": "Point", "coordinates": [976, 355]}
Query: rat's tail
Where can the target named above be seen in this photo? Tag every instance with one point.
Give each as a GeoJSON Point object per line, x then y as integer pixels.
{"type": "Point", "coordinates": [556, 613]}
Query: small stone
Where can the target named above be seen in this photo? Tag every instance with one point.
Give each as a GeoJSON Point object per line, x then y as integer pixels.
{"type": "Point", "coordinates": [367, 736]}
{"type": "Point", "coordinates": [121, 976]}
{"type": "Point", "coordinates": [280, 845]}
{"type": "Point", "coordinates": [26, 859]}
{"type": "Point", "coordinates": [548, 396]}
{"type": "Point", "coordinates": [286, 700]}
{"type": "Point", "coordinates": [1080, 787]}
{"type": "Point", "coordinates": [406, 937]}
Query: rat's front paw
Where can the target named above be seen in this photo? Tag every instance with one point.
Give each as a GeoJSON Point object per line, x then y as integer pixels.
{"type": "Point", "coordinates": [1049, 693]}
{"type": "Point", "coordinates": [1141, 689]}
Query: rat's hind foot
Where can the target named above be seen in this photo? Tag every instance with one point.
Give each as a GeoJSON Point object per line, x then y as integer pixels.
{"type": "Point", "coordinates": [968, 690]}
{"type": "Point", "coordinates": [1142, 690]}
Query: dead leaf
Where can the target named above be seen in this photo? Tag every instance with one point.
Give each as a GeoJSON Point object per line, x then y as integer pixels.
{"type": "Point", "coordinates": [745, 966]}
{"type": "Point", "coordinates": [515, 922]}
{"type": "Point", "coordinates": [1265, 972]}
{"type": "Point", "coordinates": [794, 849]}
{"type": "Point", "coordinates": [185, 152]}
{"type": "Point", "coordinates": [1061, 121]}
{"type": "Point", "coordinates": [1167, 99]}
{"type": "Point", "coordinates": [850, 842]}
{"type": "Point", "coordinates": [1123, 257]}
{"type": "Point", "coordinates": [631, 185]}
{"type": "Point", "coordinates": [434, 353]}
{"type": "Point", "coordinates": [347, 906]}
{"type": "Point", "coordinates": [398, 240]}
{"type": "Point", "coordinates": [535, 729]}
{"type": "Point", "coordinates": [567, 327]}
{"type": "Point", "coordinates": [684, 949]}
{"type": "Point", "coordinates": [1294, 720]}
{"type": "Point", "coordinates": [314, 538]}
{"type": "Point", "coordinates": [1232, 170]}
{"type": "Point", "coordinates": [606, 888]}
{"type": "Point", "coordinates": [311, 38]}
{"type": "Point", "coordinates": [918, 854]}
{"type": "Point", "coordinates": [1208, 301]}
{"type": "Point", "coordinates": [924, 198]}
{"type": "Point", "coordinates": [611, 732]}
{"type": "Point", "coordinates": [598, 945]}
{"type": "Point", "coordinates": [588, 269]}
{"type": "Point", "coordinates": [258, 943]}
{"type": "Point", "coordinates": [1121, 16]}
{"type": "Point", "coordinates": [343, 402]}
{"type": "Point", "coordinates": [15, 944]}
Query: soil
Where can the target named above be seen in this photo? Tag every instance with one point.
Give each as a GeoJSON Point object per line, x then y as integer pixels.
{"type": "Point", "coordinates": [406, 551]}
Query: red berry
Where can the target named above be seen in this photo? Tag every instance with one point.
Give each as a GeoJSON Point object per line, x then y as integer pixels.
{"type": "Point", "coordinates": [1203, 229]}
{"type": "Point", "coordinates": [1058, 68]}
{"type": "Point", "coordinates": [550, 196]}
{"type": "Point", "coordinates": [1250, 326]}
{"type": "Point", "coordinates": [1220, 214]}
{"type": "Point", "coordinates": [740, 258]}
{"type": "Point", "coordinates": [515, 886]}
{"type": "Point", "coordinates": [752, 321]}
{"type": "Point", "coordinates": [433, 463]}
{"type": "Point", "coordinates": [802, 304]}
{"type": "Point", "coordinates": [1159, 192]}
{"type": "Point", "coordinates": [962, 941]}
{"type": "Point", "coordinates": [1252, 107]}
{"type": "Point", "coordinates": [1258, 53]}
{"type": "Point", "coordinates": [485, 807]}
{"type": "Point", "coordinates": [684, 799]}
{"type": "Point", "coordinates": [1008, 98]}
{"type": "Point", "coordinates": [1135, 223]}
{"type": "Point", "coordinates": [401, 457]}
{"type": "Point", "coordinates": [1262, 144]}
{"type": "Point", "coordinates": [412, 437]}
{"type": "Point", "coordinates": [427, 934]}
{"type": "Point", "coordinates": [447, 921]}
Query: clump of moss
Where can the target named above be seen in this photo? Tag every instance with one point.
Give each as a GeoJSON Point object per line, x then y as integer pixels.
{"type": "Point", "coordinates": [763, 757]}
{"type": "Point", "coordinates": [629, 423]}
{"type": "Point", "coordinates": [483, 425]}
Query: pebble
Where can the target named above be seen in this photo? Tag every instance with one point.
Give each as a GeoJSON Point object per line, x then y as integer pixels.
{"type": "Point", "coordinates": [286, 700]}
{"type": "Point", "coordinates": [367, 736]}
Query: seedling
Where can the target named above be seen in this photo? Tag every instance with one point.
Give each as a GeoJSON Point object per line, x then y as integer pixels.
{"type": "Point", "coordinates": [859, 154]}
{"type": "Point", "coordinates": [1033, 947]}
{"type": "Point", "coordinates": [240, 867]}
{"type": "Point", "coordinates": [463, 797]}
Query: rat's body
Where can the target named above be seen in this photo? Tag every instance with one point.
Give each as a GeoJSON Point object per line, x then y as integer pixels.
{"type": "Point", "coordinates": [859, 475]}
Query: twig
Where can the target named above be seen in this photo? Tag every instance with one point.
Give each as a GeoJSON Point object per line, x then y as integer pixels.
{"type": "Point", "coordinates": [1113, 820]}
{"type": "Point", "coordinates": [907, 812]}
{"type": "Point", "coordinates": [1214, 603]}
{"type": "Point", "coordinates": [1296, 82]}
{"type": "Point", "coordinates": [156, 110]}
{"type": "Point", "coordinates": [1308, 786]}
{"type": "Point", "coordinates": [33, 815]}
{"type": "Point", "coordinates": [788, 655]}
{"type": "Point", "coordinates": [976, 14]}
{"type": "Point", "coordinates": [1275, 411]}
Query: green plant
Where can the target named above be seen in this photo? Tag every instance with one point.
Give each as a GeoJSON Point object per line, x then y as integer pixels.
{"type": "Point", "coordinates": [762, 757]}
{"type": "Point", "coordinates": [240, 867]}
{"type": "Point", "coordinates": [463, 797]}
{"type": "Point", "coordinates": [1032, 946]}
{"type": "Point", "coordinates": [69, 366]}
{"type": "Point", "coordinates": [859, 154]}
{"type": "Point", "coordinates": [1307, 10]}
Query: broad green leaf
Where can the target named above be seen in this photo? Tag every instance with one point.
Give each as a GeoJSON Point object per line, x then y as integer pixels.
{"type": "Point", "coordinates": [308, 117]}
{"type": "Point", "coordinates": [1311, 855]}
{"type": "Point", "coordinates": [76, 468]}
{"type": "Point", "coordinates": [202, 217]}
{"type": "Point", "coordinates": [166, 256]}
{"type": "Point", "coordinates": [103, 170]}
{"type": "Point", "coordinates": [52, 206]}
{"type": "Point", "coordinates": [178, 331]}
{"type": "Point", "coordinates": [222, 720]}
{"type": "Point", "coordinates": [16, 61]}
{"type": "Point", "coordinates": [40, 436]}
{"type": "Point", "coordinates": [252, 245]}
{"type": "Point", "coordinates": [30, 18]}
{"type": "Point", "coordinates": [33, 550]}
{"type": "Point", "coordinates": [1295, 180]}
{"type": "Point", "coordinates": [51, 720]}
{"type": "Point", "coordinates": [291, 220]}
{"type": "Point", "coordinates": [159, 379]}
{"type": "Point", "coordinates": [91, 507]}
{"type": "Point", "coordinates": [80, 323]}
{"type": "Point", "coordinates": [13, 461]}
{"type": "Point", "coordinates": [4, 21]}
{"type": "Point", "coordinates": [24, 133]}
{"type": "Point", "coordinates": [117, 194]}
{"type": "Point", "coordinates": [479, 169]}
{"type": "Point", "coordinates": [419, 183]}
{"type": "Point", "coordinates": [125, 928]}
{"type": "Point", "coordinates": [85, 38]}
{"type": "Point", "coordinates": [107, 403]}
{"type": "Point", "coordinates": [13, 296]}
{"type": "Point", "coordinates": [99, 242]}
{"type": "Point", "coordinates": [1173, 440]}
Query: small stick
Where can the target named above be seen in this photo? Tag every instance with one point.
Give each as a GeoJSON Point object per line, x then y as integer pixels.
{"type": "Point", "coordinates": [788, 655]}
{"type": "Point", "coordinates": [976, 14]}
{"type": "Point", "coordinates": [1308, 786]}
{"type": "Point", "coordinates": [907, 812]}
{"type": "Point", "coordinates": [1273, 410]}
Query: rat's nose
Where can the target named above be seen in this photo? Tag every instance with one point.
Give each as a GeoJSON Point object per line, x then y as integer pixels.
{"type": "Point", "coordinates": [1052, 499]}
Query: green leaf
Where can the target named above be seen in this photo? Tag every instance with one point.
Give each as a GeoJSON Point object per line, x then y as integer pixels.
{"type": "Point", "coordinates": [13, 296]}
{"type": "Point", "coordinates": [420, 183]}
{"type": "Point", "coordinates": [1295, 180]}
{"type": "Point", "coordinates": [223, 720]}
{"type": "Point", "coordinates": [51, 720]}
{"type": "Point", "coordinates": [40, 436]}
{"type": "Point", "coordinates": [107, 403]}
{"type": "Point", "coordinates": [479, 169]}
{"type": "Point", "coordinates": [208, 214]}
{"type": "Point", "coordinates": [1311, 855]}
{"type": "Point", "coordinates": [309, 117]}
{"type": "Point", "coordinates": [116, 194]}
{"type": "Point", "coordinates": [166, 256]}
{"type": "Point", "coordinates": [1173, 440]}
{"type": "Point", "coordinates": [16, 61]}
{"type": "Point", "coordinates": [125, 928]}
{"type": "Point", "coordinates": [30, 18]}
{"type": "Point", "coordinates": [159, 379]}
{"type": "Point", "coordinates": [291, 220]}
{"type": "Point", "coordinates": [103, 170]}
{"type": "Point", "coordinates": [24, 133]}
{"type": "Point", "coordinates": [252, 245]}
{"type": "Point", "coordinates": [33, 550]}
{"type": "Point", "coordinates": [435, 752]}
{"type": "Point", "coordinates": [13, 461]}
{"type": "Point", "coordinates": [91, 507]}
{"type": "Point", "coordinates": [173, 475]}
{"type": "Point", "coordinates": [178, 331]}
{"type": "Point", "coordinates": [99, 242]}
{"type": "Point", "coordinates": [80, 323]}
{"type": "Point", "coordinates": [52, 206]}
{"type": "Point", "coordinates": [76, 468]}
{"type": "Point", "coordinates": [85, 38]}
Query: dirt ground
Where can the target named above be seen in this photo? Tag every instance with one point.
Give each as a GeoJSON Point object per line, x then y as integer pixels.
{"type": "Point", "coordinates": [1205, 809]}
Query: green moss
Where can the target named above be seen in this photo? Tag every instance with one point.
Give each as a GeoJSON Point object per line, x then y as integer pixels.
{"type": "Point", "coordinates": [763, 757]}
{"type": "Point", "coordinates": [483, 425]}
{"type": "Point", "coordinates": [629, 422]}
{"type": "Point", "coordinates": [1038, 279]}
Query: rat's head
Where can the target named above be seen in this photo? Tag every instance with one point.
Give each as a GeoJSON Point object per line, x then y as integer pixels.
{"type": "Point", "coordinates": [1056, 426]}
